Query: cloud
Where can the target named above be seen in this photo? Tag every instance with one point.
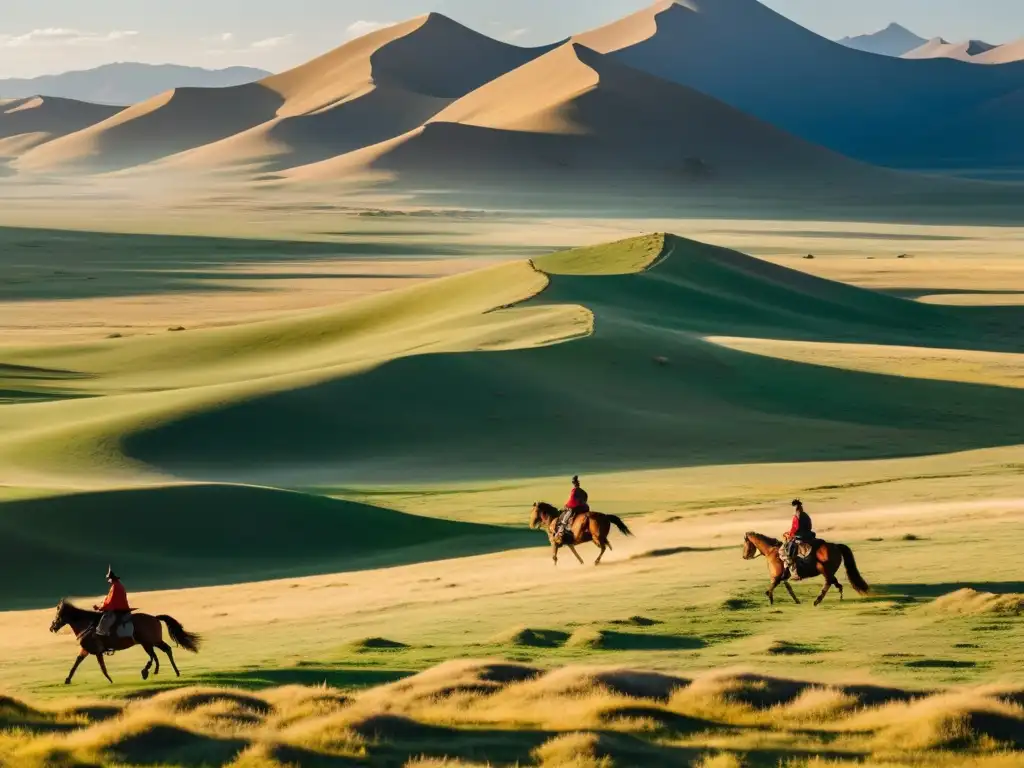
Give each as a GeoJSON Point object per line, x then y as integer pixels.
{"type": "Point", "coordinates": [515, 34]}
{"type": "Point", "coordinates": [360, 28]}
{"type": "Point", "coordinates": [271, 42]}
{"type": "Point", "coordinates": [226, 37]}
{"type": "Point", "coordinates": [60, 36]}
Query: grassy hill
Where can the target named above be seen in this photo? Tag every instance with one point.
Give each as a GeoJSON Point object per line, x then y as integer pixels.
{"type": "Point", "coordinates": [595, 359]}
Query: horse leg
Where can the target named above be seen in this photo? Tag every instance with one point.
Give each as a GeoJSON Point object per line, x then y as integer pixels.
{"type": "Point", "coordinates": [776, 580]}
{"type": "Point", "coordinates": [103, 667]}
{"type": "Point", "coordinates": [789, 588]}
{"type": "Point", "coordinates": [602, 545]}
{"type": "Point", "coordinates": [837, 585]}
{"type": "Point", "coordinates": [554, 554]}
{"type": "Point", "coordinates": [152, 658]}
{"type": "Point", "coordinates": [573, 550]}
{"type": "Point", "coordinates": [82, 656]}
{"type": "Point", "coordinates": [170, 655]}
{"type": "Point", "coordinates": [824, 590]}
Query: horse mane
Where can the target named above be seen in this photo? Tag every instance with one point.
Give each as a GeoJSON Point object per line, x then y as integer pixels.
{"type": "Point", "coordinates": [771, 542]}
{"type": "Point", "coordinates": [545, 507]}
{"type": "Point", "coordinates": [74, 610]}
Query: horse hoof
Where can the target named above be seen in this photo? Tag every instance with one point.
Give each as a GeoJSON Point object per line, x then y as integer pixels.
{"type": "Point", "coordinates": [145, 674]}
{"type": "Point", "coordinates": [68, 681]}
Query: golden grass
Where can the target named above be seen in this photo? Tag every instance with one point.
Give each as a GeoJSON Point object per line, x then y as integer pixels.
{"type": "Point", "coordinates": [486, 713]}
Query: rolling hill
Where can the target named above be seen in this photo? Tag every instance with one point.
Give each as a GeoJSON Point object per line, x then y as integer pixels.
{"type": "Point", "coordinates": [126, 82]}
{"type": "Point", "coordinates": [597, 357]}
{"type": "Point", "coordinates": [369, 90]}
{"type": "Point", "coordinates": [894, 40]}
{"type": "Point", "coordinates": [876, 108]}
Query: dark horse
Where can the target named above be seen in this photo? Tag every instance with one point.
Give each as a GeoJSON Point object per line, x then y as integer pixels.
{"type": "Point", "coordinates": [148, 633]}
{"type": "Point", "coordinates": [826, 561]}
{"type": "Point", "coordinates": [593, 526]}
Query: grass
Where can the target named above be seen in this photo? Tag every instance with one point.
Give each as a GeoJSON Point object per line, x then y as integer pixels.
{"type": "Point", "coordinates": [336, 500]}
{"type": "Point", "coordinates": [482, 713]}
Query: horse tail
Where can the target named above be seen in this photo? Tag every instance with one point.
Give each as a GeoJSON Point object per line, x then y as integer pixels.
{"type": "Point", "coordinates": [617, 522]}
{"type": "Point", "coordinates": [852, 573]}
{"type": "Point", "coordinates": [187, 640]}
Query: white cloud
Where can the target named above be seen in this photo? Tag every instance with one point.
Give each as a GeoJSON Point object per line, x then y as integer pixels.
{"type": "Point", "coordinates": [515, 34]}
{"type": "Point", "coordinates": [59, 36]}
{"type": "Point", "coordinates": [227, 37]}
{"type": "Point", "coordinates": [360, 28]}
{"type": "Point", "coordinates": [271, 42]}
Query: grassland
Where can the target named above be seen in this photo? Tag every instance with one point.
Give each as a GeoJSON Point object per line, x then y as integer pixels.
{"type": "Point", "coordinates": [334, 493]}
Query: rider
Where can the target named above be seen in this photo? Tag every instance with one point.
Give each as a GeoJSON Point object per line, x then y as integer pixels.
{"type": "Point", "coordinates": [576, 504]}
{"type": "Point", "coordinates": [801, 529]}
{"type": "Point", "coordinates": [114, 607]}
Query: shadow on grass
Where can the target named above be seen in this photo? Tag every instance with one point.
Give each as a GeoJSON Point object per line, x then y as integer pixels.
{"type": "Point", "coordinates": [344, 678]}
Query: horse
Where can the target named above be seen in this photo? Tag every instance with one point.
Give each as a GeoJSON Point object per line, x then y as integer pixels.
{"type": "Point", "coordinates": [147, 632]}
{"type": "Point", "coordinates": [593, 526]}
{"type": "Point", "coordinates": [827, 558]}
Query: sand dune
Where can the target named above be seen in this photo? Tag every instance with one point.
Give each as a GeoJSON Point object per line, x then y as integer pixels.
{"type": "Point", "coordinates": [369, 90]}
{"type": "Point", "coordinates": [875, 108]}
{"type": "Point", "coordinates": [169, 123]}
{"type": "Point", "coordinates": [1007, 53]}
{"type": "Point", "coordinates": [937, 48]}
{"type": "Point", "coordinates": [573, 113]}
{"type": "Point", "coordinates": [25, 123]}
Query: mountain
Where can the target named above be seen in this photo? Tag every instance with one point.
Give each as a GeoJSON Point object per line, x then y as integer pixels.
{"type": "Point", "coordinates": [937, 48]}
{"type": "Point", "coordinates": [25, 123]}
{"type": "Point", "coordinates": [876, 108]}
{"type": "Point", "coordinates": [894, 40]}
{"type": "Point", "coordinates": [126, 82]}
{"type": "Point", "coordinates": [368, 90]}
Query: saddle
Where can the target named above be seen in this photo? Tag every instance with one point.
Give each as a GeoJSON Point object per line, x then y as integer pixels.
{"type": "Point", "coordinates": [805, 545]}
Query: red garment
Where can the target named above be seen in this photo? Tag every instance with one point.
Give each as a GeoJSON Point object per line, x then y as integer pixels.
{"type": "Point", "coordinates": [117, 599]}
{"type": "Point", "coordinates": [795, 527]}
{"type": "Point", "coordinates": [576, 501]}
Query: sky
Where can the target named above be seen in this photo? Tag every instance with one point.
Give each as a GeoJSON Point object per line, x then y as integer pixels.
{"type": "Point", "coordinates": [50, 36]}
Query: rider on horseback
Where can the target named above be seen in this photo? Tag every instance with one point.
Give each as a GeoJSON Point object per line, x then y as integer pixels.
{"type": "Point", "coordinates": [114, 608]}
{"type": "Point", "coordinates": [577, 504]}
{"type": "Point", "coordinates": [800, 530]}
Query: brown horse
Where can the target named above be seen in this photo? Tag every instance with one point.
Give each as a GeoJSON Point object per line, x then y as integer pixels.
{"type": "Point", "coordinates": [593, 526]}
{"type": "Point", "coordinates": [827, 559]}
{"type": "Point", "coordinates": [148, 633]}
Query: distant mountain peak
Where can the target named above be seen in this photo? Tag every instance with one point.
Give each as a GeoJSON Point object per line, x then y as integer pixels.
{"type": "Point", "coordinates": [126, 82]}
{"type": "Point", "coordinates": [893, 40]}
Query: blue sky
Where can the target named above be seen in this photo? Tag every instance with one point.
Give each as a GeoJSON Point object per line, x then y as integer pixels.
{"type": "Point", "coordinates": [42, 36]}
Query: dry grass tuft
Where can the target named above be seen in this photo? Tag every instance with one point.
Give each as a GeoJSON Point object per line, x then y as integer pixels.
{"type": "Point", "coordinates": [970, 602]}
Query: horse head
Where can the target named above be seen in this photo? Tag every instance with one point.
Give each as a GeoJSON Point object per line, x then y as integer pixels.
{"type": "Point", "coordinates": [60, 619]}
{"type": "Point", "coordinates": [750, 551]}
{"type": "Point", "coordinates": [541, 514]}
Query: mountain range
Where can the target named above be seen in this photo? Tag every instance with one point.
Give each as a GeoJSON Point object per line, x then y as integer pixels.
{"type": "Point", "coordinates": [667, 96]}
{"type": "Point", "coordinates": [125, 83]}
